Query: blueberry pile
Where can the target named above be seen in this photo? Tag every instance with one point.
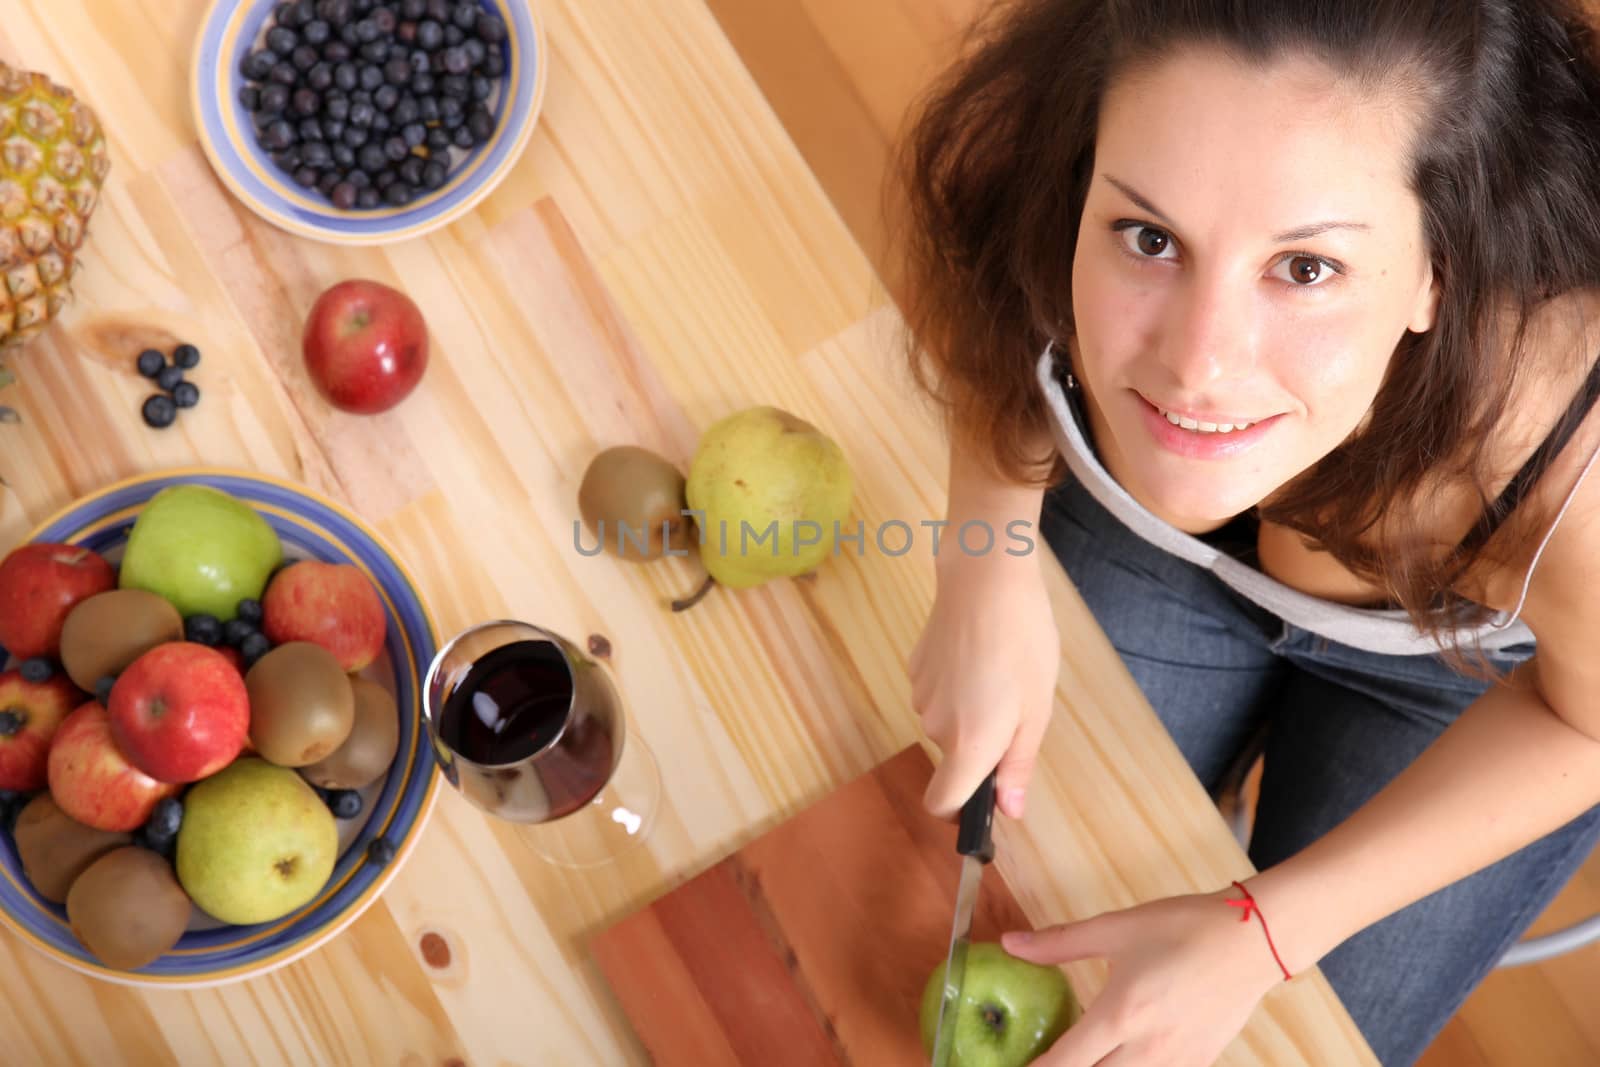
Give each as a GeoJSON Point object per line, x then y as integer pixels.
{"type": "Point", "coordinates": [160, 832]}
{"type": "Point", "coordinates": [242, 632]}
{"type": "Point", "coordinates": [161, 409]}
{"type": "Point", "coordinates": [365, 101]}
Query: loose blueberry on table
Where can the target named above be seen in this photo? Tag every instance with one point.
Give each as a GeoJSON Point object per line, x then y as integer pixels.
{"type": "Point", "coordinates": [366, 103]}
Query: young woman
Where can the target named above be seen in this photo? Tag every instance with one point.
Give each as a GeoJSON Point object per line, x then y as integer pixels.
{"type": "Point", "coordinates": [1282, 320]}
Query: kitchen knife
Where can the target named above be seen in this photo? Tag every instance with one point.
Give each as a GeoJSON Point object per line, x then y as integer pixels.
{"type": "Point", "coordinates": [976, 848]}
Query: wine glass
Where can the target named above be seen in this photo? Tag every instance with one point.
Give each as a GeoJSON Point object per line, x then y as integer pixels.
{"type": "Point", "coordinates": [530, 729]}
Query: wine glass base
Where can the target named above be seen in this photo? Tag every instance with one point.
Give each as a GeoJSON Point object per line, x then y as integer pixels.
{"type": "Point", "coordinates": [615, 823]}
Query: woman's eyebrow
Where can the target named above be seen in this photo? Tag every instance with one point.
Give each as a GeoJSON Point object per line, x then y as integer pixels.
{"type": "Point", "coordinates": [1300, 233]}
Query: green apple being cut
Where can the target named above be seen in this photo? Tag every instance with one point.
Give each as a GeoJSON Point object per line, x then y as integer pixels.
{"type": "Point", "coordinates": [256, 842]}
{"type": "Point", "coordinates": [1010, 1012]}
{"type": "Point", "coordinates": [201, 548]}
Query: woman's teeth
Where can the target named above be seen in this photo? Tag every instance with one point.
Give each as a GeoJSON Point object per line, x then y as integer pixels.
{"type": "Point", "coordinates": [1204, 427]}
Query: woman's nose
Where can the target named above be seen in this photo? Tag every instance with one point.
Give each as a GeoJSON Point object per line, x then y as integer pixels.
{"type": "Point", "coordinates": [1210, 334]}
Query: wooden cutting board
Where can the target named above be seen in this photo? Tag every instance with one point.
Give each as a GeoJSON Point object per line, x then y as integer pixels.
{"type": "Point", "coordinates": [811, 944]}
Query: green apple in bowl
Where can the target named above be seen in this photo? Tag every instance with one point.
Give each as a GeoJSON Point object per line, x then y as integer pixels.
{"type": "Point", "coordinates": [202, 549]}
{"type": "Point", "coordinates": [1010, 1011]}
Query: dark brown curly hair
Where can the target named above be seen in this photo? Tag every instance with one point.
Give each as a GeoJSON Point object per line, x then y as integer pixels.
{"type": "Point", "coordinates": [994, 171]}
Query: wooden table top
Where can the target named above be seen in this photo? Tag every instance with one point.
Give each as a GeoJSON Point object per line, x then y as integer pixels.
{"type": "Point", "coordinates": [659, 256]}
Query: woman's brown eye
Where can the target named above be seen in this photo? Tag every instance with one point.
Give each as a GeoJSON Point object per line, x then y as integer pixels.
{"type": "Point", "coordinates": [1306, 269]}
{"type": "Point", "coordinates": [1152, 241]}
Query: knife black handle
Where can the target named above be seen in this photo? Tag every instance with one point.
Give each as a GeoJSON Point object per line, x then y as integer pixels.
{"type": "Point", "coordinates": [977, 817]}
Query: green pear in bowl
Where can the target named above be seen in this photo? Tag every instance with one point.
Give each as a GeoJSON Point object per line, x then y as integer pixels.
{"type": "Point", "coordinates": [256, 842]}
{"type": "Point", "coordinates": [202, 549]}
{"type": "Point", "coordinates": [1010, 1012]}
{"type": "Point", "coordinates": [769, 492]}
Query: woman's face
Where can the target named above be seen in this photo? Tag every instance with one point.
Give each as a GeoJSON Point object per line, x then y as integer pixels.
{"type": "Point", "coordinates": [1200, 307]}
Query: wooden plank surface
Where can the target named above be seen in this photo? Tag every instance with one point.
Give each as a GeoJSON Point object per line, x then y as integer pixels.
{"type": "Point", "coordinates": [810, 945]}
{"type": "Point", "coordinates": [661, 255]}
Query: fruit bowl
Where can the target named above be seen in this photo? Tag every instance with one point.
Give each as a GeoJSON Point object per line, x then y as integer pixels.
{"type": "Point", "coordinates": [395, 808]}
{"type": "Point", "coordinates": [227, 130]}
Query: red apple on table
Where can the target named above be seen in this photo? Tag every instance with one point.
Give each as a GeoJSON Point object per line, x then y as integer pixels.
{"type": "Point", "coordinates": [92, 781]}
{"type": "Point", "coordinates": [180, 712]}
{"type": "Point", "coordinates": [365, 346]}
{"type": "Point", "coordinates": [334, 605]}
{"type": "Point", "coordinates": [30, 715]}
{"type": "Point", "coordinates": [39, 584]}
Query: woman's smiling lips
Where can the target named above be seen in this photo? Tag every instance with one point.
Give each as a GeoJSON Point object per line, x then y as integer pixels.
{"type": "Point", "coordinates": [1203, 435]}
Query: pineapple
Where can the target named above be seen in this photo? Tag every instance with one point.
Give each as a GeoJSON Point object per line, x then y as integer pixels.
{"type": "Point", "coordinates": [53, 162]}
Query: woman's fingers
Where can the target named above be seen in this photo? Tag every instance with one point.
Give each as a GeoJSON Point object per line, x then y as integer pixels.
{"type": "Point", "coordinates": [1089, 1042]}
{"type": "Point", "coordinates": [965, 766]}
{"type": "Point", "coordinates": [1016, 766]}
{"type": "Point", "coordinates": [1093, 938]}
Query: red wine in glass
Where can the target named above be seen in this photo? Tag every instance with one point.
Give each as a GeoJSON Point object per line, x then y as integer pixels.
{"type": "Point", "coordinates": [525, 725]}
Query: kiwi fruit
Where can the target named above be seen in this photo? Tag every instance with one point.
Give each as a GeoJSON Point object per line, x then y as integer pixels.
{"type": "Point", "coordinates": [104, 633]}
{"type": "Point", "coordinates": [370, 748]}
{"type": "Point", "coordinates": [628, 495]}
{"type": "Point", "coordinates": [55, 848]}
{"type": "Point", "coordinates": [302, 704]}
{"type": "Point", "coordinates": [128, 908]}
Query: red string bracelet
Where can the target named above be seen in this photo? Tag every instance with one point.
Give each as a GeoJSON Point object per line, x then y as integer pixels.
{"type": "Point", "coordinates": [1251, 907]}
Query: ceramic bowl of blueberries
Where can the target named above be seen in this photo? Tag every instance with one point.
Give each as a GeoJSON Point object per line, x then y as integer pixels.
{"type": "Point", "coordinates": [378, 824]}
{"type": "Point", "coordinates": [366, 121]}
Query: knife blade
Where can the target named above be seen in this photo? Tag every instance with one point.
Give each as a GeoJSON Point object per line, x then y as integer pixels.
{"type": "Point", "coordinates": [975, 845]}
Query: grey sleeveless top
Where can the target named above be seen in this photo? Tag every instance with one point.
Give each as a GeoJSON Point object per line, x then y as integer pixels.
{"type": "Point", "coordinates": [1389, 631]}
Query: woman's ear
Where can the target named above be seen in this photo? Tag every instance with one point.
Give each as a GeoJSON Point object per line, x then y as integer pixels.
{"type": "Point", "coordinates": [1427, 308]}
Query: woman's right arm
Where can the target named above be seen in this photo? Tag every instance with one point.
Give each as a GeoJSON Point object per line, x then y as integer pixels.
{"type": "Point", "coordinates": [983, 673]}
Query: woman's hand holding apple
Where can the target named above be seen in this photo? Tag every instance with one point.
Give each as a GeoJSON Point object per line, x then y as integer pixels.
{"type": "Point", "coordinates": [983, 678]}
{"type": "Point", "coordinates": [1185, 974]}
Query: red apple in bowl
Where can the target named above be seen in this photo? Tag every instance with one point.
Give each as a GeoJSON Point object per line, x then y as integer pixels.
{"type": "Point", "coordinates": [180, 712]}
{"type": "Point", "coordinates": [39, 585]}
{"type": "Point", "coordinates": [92, 781]}
{"type": "Point", "coordinates": [334, 605]}
{"type": "Point", "coordinates": [365, 346]}
{"type": "Point", "coordinates": [30, 715]}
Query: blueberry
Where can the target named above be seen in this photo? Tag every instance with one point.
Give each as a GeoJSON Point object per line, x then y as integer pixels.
{"type": "Point", "coordinates": [151, 362]}
{"type": "Point", "coordinates": [464, 138]}
{"type": "Point", "coordinates": [430, 34]}
{"type": "Point", "coordinates": [368, 197]}
{"type": "Point", "coordinates": [274, 98]}
{"type": "Point", "coordinates": [397, 193]}
{"type": "Point", "coordinates": [306, 102]}
{"type": "Point", "coordinates": [439, 139]}
{"type": "Point", "coordinates": [475, 51]}
{"type": "Point", "coordinates": [159, 411]}
{"type": "Point", "coordinates": [306, 177]}
{"type": "Point", "coordinates": [345, 77]}
{"type": "Point", "coordinates": [344, 157]}
{"type": "Point", "coordinates": [466, 15]}
{"type": "Point", "coordinates": [456, 61]}
{"type": "Point", "coordinates": [414, 134]}
{"type": "Point", "coordinates": [102, 689]}
{"type": "Point", "coordinates": [453, 36]}
{"type": "Point", "coordinates": [413, 9]}
{"type": "Point", "coordinates": [371, 157]}
{"type": "Point", "coordinates": [258, 65]}
{"type": "Point", "coordinates": [37, 670]}
{"type": "Point", "coordinates": [249, 97]}
{"type": "Point", "coordinates": [282, 40]}
{"type": "Point", "coordinates": [376, 52]}
{"type": "Point", "coordinates": [366, 31]}
{"type": "Point", "coordinates": [494, 64]}
{"type": "Point", "coordinates": [384, 18]}
{"type": "Point", "coordinates": [344, 196]}
{"type": "Point", "coordinates": [406, 111]}
{"type": "Point", "coordinates": [338, 108]}
{"type": "Point", "coordinates": [396, 149]}
{"type": "Point", "coordinates": [253, 648]}
{"type": "Point", "coordinates": [337, 51]}
{"type": "Point", "coordinates": [186, 356]}
{"type": "Point", "coordinates": [166, 818]}
{"type": "Point", "coordinates": [482, 88]}
{"type": "Point", "coordinates": [386, 98]}
{"type": "Point", "coordinates": [249, 609]}
{"type": "Point", "coordinates": [169, 377]}
{"type": "Point", "coordinates": [310, 130]}
{"type": "Point", "coordinates": [422, 85]}
{"type": "Point", "coordinates": [428, 109]}
{"type": "Point", "coordinates": [235, 630]}
{"type": "Point", "coordinates": [304, 58]}
{"type": "Point", "coordinates": [361, 113]}
{"type": "Point", "coordinates": [278, 136]}
{"type": "Point", "coordinates": [371, 77]}
{"type": "Point", "coordinates": [317, 32]}
{"type": "Point", "coordinates": [380, 850]}
{"type": "Point", "coordinates": [317, 154]}
{"type": "Point", "coordinates": [10, 722]}
{"type": "Point", "coordinates": [434, 175]}
{"type": "Point", "coordinates": [203, 629]}
{"type": "Point", "coordinates": [344, 803]}
{"type": "Point", "coordinates": [320, 77]}
{"type": "Point", "coordinates": [356, 136]}
{"type": "Point", "coordinates": [337, 12]}
{"type": "Point", "coordinates": [397, 70]}
{"type": "Point", "coordinates": [480, 125]}
{"type": "Point", "coordinates": [186, 394]}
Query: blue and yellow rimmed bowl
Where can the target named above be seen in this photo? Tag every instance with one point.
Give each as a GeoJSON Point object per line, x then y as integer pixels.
{"type": "Point", "coordinates": [231, 28]}
{"type": "Point", "coordinates": [395, 807]}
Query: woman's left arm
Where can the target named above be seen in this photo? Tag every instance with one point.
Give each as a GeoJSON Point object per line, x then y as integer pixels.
{"type": "Point", "coordinates": [1186, 974]}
